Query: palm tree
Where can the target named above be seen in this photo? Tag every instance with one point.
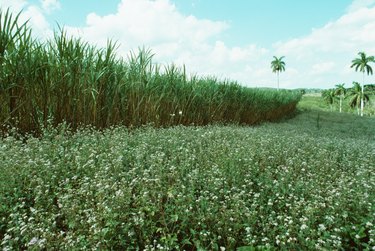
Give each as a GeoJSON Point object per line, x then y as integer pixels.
{"type": "Point", "coordinates": [341, 92]}
{"type": "Point", "coordinates": [362, 64]}
{"type": "Point", "coordinates": [277, 66]}
{"type": "Point", "coordinates": [329, 97]}
{"type": "Point", "coordinates": [357, 96]}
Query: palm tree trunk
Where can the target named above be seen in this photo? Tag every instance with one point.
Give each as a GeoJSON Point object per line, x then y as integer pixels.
{"type": "Point", "coordinates": [362, 96]}
{"type": "Point", "coordinates": [340, 103]}
{"type": "Point", "coordinates": [278, 80]}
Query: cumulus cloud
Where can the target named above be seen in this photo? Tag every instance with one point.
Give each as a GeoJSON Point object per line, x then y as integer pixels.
{"type": "Point", "coordinates": [319, 59]}
{"type": "Point", "coordinates": [33, 14]}
{"type": "Point", "coordinates": [41, 27]}
{"type": "Point", "coordinates": [138, 22]}
{"type": "Point", "coordinates": [322, 67]}
{"type": "Point", "coordinates": [359, 4]}
{"type": "Point", "coordinates": [325, 54]}
{"type": "Point", "coordinates": [347, 34]}
{"type": "Point", "coordinates": [50, 5]}
{"type": "Point", "coordinates": [13, 5]}
{"type": "Point", "coordinates": [173, 37]}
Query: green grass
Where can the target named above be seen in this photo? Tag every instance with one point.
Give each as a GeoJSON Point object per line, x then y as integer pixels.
{"type": "Point", "coordinates": [313, 101]}
{"type": "Point", "coordinates": [316, 102]}
{"type": "Point", "coordinates": [303, 184]}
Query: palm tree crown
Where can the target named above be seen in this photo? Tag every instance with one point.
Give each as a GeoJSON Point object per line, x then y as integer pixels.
{"type": "Point", "coordinates": [278, 65]}
{"type": "Point", "coordinates": [329, 97]}
{"type": "Point", "coordinates": [362, 64]}
{"type": "Point", "coordinates": [357, 96]}
{"type": "Point", "coordinates": [341, 92]}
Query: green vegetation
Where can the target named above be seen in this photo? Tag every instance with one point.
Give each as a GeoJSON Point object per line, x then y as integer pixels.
{"type": "Point", "coordinates": [68, 80]}
{"type": "Point", "coordinates": [278, 65]}
{"type": "Point", "coordinates": [313, 102]}
{"type": "Point", "coordinates": [340, 91]}
{"type": "Point", "coordinates": [342, 99]}
{"type": "Point", "coordinates": [359, 96]}
{"type": "Point", "coordinates": [362, 64]}
{"type": "Point", "coordinates": [329, 97]}
{"type": "Point", "coordinates": [303, 184]}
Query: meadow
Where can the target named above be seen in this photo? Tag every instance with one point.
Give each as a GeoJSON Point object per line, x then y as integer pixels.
{"type": "Point", "coordinates": [104, 153]}
{"type": "Point", "coordinates": [306, 183]}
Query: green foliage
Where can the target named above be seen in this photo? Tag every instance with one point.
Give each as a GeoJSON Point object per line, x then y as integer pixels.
{"type": "Point", "coordinates": [285, 186]}
{"type": "Point", "coordinates": [277, 64]}
{"type": "Point", "coordinates": [69, 80]}
{"type": "Point", "coordinates": [340, 90]}
{"type": "Point", "coordinates": [362, 63]}
{"type": "Point", "coordinates": [356, 95]}
{"type": "Point", "coordinates": [313, 102]}
{"type": "Point", "coordinates": [329, 97]}
{"type": "Point", "coordinates": [318, 102]}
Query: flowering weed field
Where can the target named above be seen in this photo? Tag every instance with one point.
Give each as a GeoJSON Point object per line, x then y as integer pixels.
{"type": "Point", "coordinates": [304, 184]}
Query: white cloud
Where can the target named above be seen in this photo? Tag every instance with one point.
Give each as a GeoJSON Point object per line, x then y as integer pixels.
{"type": "Point", "coordinates": [40, 26]}
{"type": "Point", "coordinates": [147, 22]}
{"type": "Point", "coordinates": [322, 67]}
{"type": "Point", "coordinates": [31, 13]}
{"type": "Point", "coordinates": [174, 37]}
{"type": "Point", "coordinates": [14, 5]}
{"type": "Point", "coordinates": [328, 51]}
{"type": "Point", "coordinates": [359, 4]}
{"type": "Point", "coordinates": [320, 59]}
{"type": "Point", "coordinates": [50, 5]}
{"type": "Point", "coordinates": [310, 61]}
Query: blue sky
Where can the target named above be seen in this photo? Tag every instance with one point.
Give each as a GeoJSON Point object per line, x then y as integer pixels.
{"type": "Point", "coordinates": [233, 39]}
{"type": "Point", "coordinates": [256, 21]}
{"type": "Point", "coordinates": [265, 21]}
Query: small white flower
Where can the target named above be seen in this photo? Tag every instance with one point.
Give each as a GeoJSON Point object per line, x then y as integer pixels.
{"type": "Point", "coordinates": [304, 226]}
{"type": "Point", "coordinates": [322, 227]}
{"type": "Point", "coordinates": [180, 113]}
{"type": "Point", "coordinates": [33, 241]}
{"type": "Point", "coordinates": [7, 237]}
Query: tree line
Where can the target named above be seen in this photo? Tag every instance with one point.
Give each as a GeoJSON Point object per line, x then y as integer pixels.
{"type": "Point", "coordinates": [353, 94]}
{"type": "Point", "coordinates": [359, 97]}
{"type": "Point", "coordinates": [358, 94]}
